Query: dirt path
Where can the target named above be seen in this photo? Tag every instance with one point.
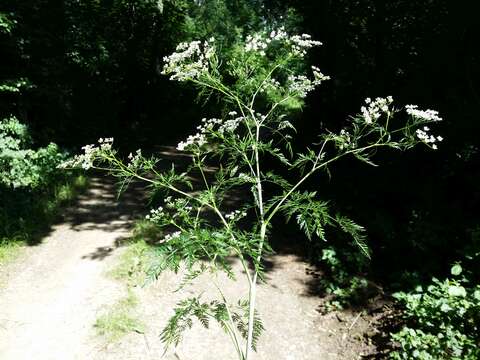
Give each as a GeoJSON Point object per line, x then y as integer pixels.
{"type": "Point", "coordinates": [55, 292]}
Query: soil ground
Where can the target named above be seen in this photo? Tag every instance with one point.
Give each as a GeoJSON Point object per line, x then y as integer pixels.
{"type": "Point", "coordinates": [53, 293]}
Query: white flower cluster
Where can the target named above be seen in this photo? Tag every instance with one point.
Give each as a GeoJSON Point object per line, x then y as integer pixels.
{"type": "Point", "coordinates": [428, 139]}
{"type": "Point", "coordinates": [155, 214]}
{"type": "Point", "coordinates": [425, 115]}
{"type": "Point", "coordinates": [318, 76]}
{"type": "Point", "coordinates": [301, 43]}
{"type": "Point", "coordinates": [189, 60]}
{"type": "Point", "coordinates": [270, 83]}
{"type": "Point", "coordinates": [259, 116]}
{"type": "Point", "coordinates": [105, 144]}
{"type": "Point", "coordinates": [230, 125]}
{"type": "Point", "coordinates": [90, 152]}
{"type": "Point", "coordinates": [134, 160]}
{"type": "Point", "coordinates": [376, 108]}
{"type": "Point", "coordinates": [302, 85]}
{"type": "Point", "coordinates": [171, 236]}
{"type": "Point", "coordinates": [235, 215]}
{"type": "Point", "coordinates": [208, 125]}
{"type": "Point", "coordinates": [279, 34]}
{"type": "Point", "coordinates": [168, 201]}
{"type": "Point", "coordinates": [344, 140]}
{"type": "Point", "coordinates": [259, 42]}
{"type": "Point", "coordinates": [177, 204]}
{"type": "Point", "coordinates": [197, 139]}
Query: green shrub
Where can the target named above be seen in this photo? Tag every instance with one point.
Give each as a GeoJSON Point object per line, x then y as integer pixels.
{"type": "Point", "coordinates": [443, 320]}
{"type": "Point", "coordinates": [21, 166]}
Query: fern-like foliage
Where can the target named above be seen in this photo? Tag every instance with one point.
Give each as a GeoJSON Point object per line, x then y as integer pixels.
{"type": "Point", "coordinates": [357, 232]}
{"type": "Point", "coordinates": [182, 320]}
{"type": "Point", "coordinates": [241, 319]}
{"type": "Point", "coordinates": [311, 215]}
{"type": "Point", "coordinates": [192, 309]}
{"type": "Point", "coordinates": [190, 249]}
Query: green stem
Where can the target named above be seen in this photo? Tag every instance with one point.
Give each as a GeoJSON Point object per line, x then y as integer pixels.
{"type": "Point", "coordinates": [233, 332]}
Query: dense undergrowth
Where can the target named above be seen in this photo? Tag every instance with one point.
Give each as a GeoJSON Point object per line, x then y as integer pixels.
{"type": "Point", "coordinates": [435, 317]}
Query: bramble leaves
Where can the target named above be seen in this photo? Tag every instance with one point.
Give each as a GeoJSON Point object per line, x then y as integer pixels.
{"type": "Point", "coordinates": [441, 321]}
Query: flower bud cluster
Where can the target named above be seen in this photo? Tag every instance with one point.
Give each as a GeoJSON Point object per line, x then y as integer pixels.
{"type": "Point", "coordinates": [171, 236]}
{"type": "Point", "coordinates": [256, 43]}
{"type": "Point", "coordinates": [259, 42]}
{"type": "Point", "coordinates": [177, 204]}
{"type": "Point", "coordinates": [376, 108]}
{"type": "Point", "coordinates": [134, 161]}
{"type": "Point", "coordinates": [230, 125]}
{"type": "Point", "coordinates": [197, 139]}
{"type": "Point", "coordinates": [105, 144]}
{"type": "Point", "coordinates": [428, 139]}
{"type": "Point", "coordinates": [235, 215]}
{"type": "Point", "coordinates": [246, 178]}
{"type": "Point", "coordinates": [190, 60]}
{"type": "Point", "coordinates": [344, 140]}
{"type": "Point", "coordinates": [155, 214]}
{"type": "Point", "coordinates": [424, 115]}
{"type": "Point", "coordinates": [270, 83]}
{"type": "Point", "coordinates": [318, 76]}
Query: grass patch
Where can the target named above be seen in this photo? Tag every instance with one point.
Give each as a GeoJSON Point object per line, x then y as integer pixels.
{"type": "Point", "coordinates": [119, 319]}
{"type": "Point", "coordinates": [137, 258]}
{"type": "Point", "coordinates": [132, 269]}
{"type": "Point", "coordinates": [9, 250]}
{"type": "Point", "coordinates": [133, 264]}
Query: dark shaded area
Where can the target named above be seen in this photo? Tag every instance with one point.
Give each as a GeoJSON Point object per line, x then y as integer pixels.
{"type": "Point", "coordinates": [103, 208]}
{"type": "Point", "coordinates": [420, 208]}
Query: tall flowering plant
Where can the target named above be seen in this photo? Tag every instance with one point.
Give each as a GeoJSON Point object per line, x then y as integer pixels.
{"type": "Point", "coordinates": [260, 83]}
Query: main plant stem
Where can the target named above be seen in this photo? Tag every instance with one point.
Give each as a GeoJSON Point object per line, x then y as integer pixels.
{"type": "Point", "coordinates": [263, 230]}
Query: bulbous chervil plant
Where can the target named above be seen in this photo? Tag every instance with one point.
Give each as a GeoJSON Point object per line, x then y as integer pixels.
{"type": "Point", "coordinates": [259, 83]}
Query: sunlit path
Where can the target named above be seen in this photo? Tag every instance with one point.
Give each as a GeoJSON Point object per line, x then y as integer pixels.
{"type": "Point", "coordinates": [52, 296]}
